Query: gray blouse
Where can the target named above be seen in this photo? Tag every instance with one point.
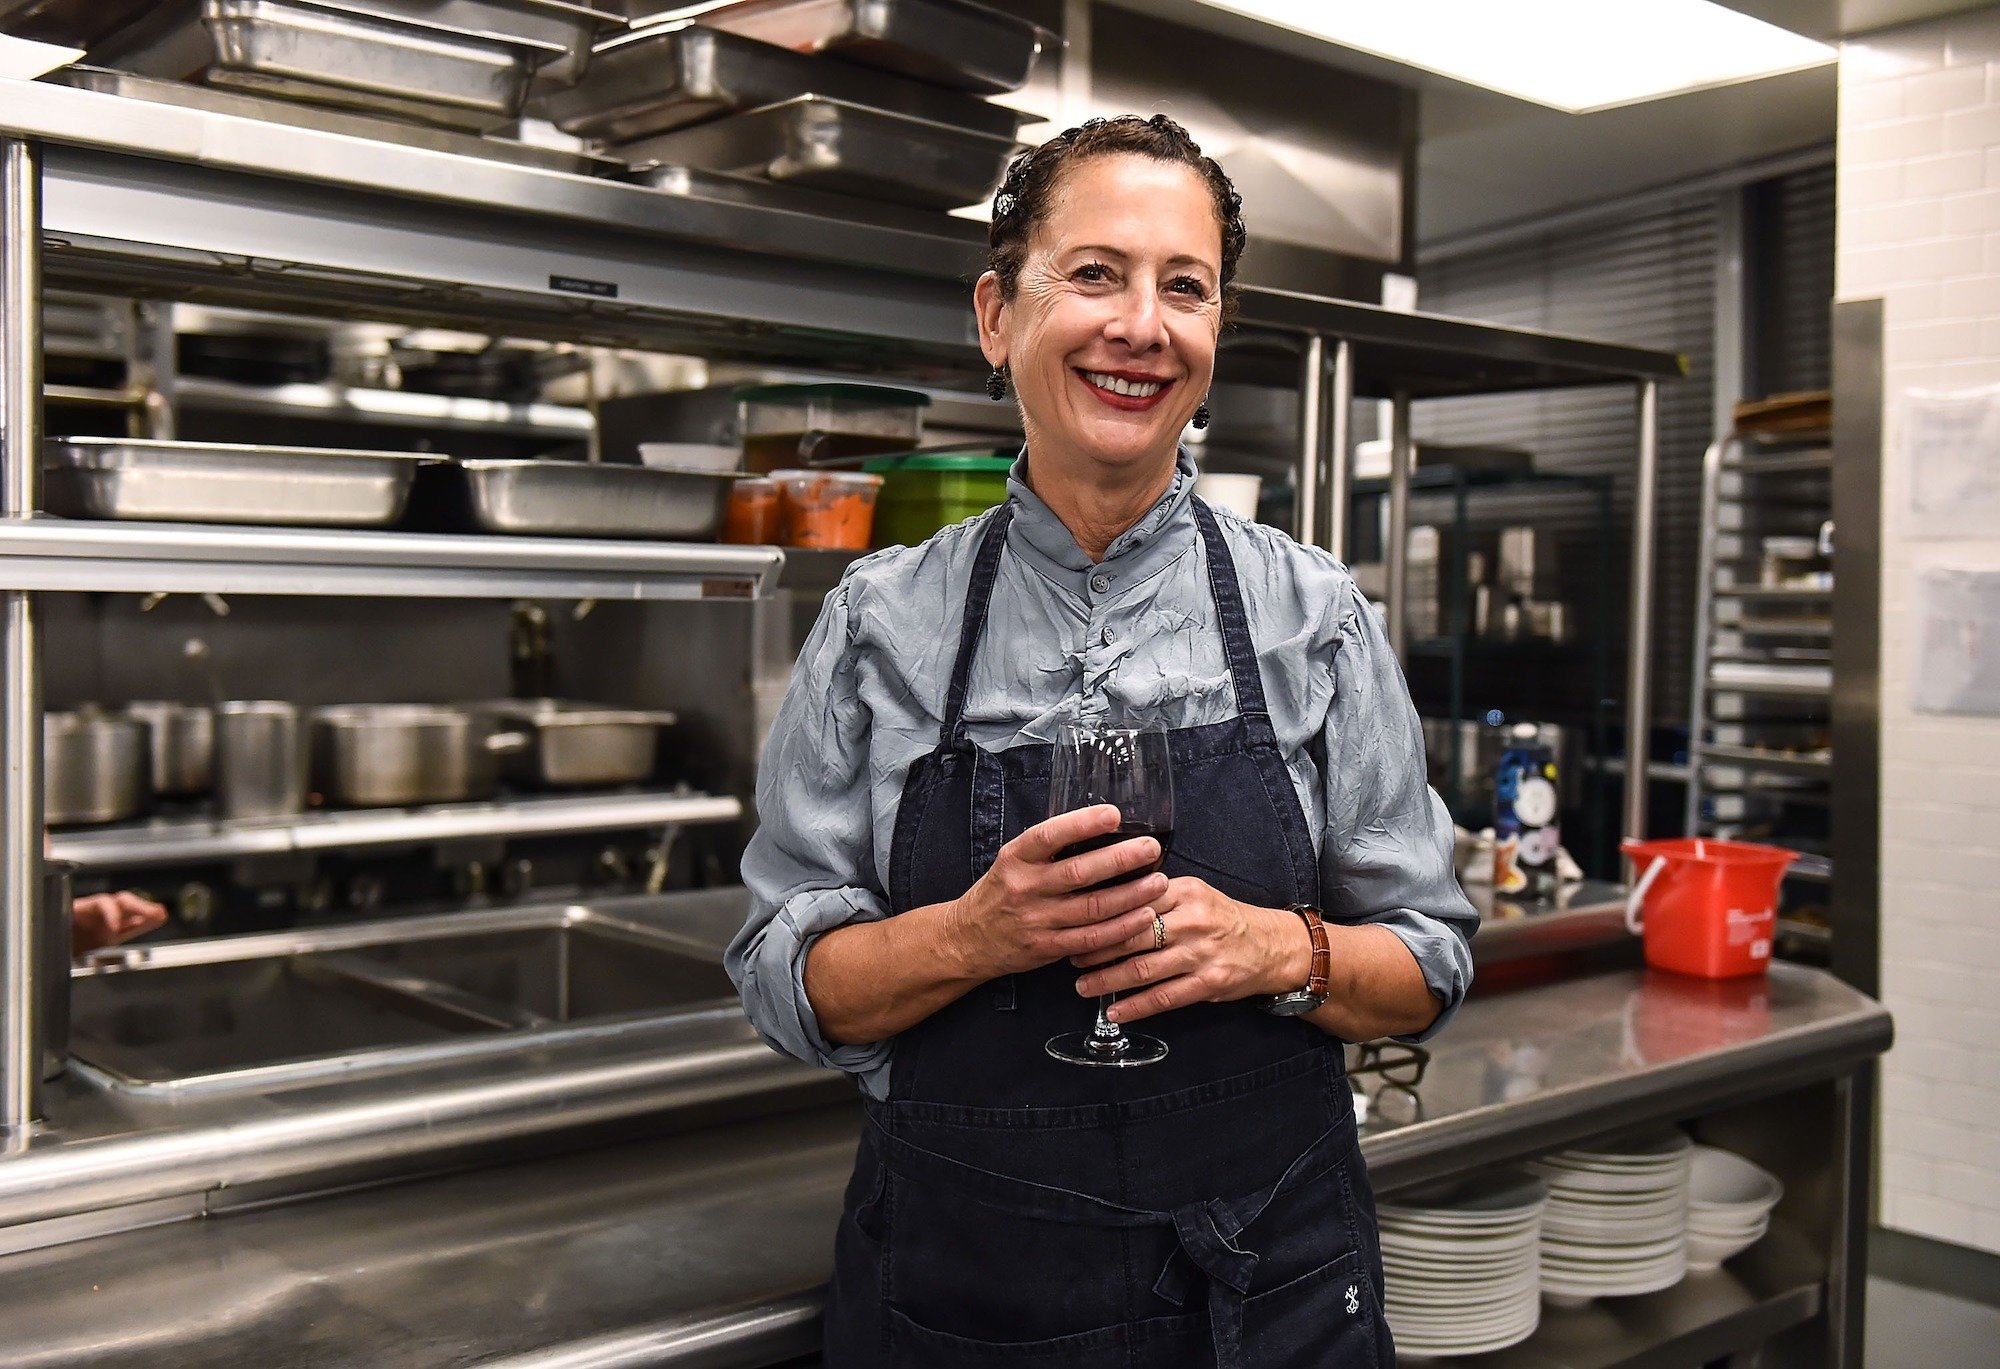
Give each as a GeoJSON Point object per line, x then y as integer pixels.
{"type": "Point", "coordinates": [1135, 631]}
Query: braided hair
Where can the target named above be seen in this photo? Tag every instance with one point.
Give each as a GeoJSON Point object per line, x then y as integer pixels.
{"type": "Point", "coordinates": [1025, 195]}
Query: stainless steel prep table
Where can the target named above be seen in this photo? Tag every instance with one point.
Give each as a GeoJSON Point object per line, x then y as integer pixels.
{"type": "Point", "coordinates": [710, 1248]}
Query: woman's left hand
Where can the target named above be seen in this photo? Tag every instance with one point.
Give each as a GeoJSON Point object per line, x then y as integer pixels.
{"type": "Point", "coordinates": [1217, 950]}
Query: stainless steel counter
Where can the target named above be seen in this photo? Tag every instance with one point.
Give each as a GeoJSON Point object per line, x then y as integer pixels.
{"type": "Point", "coordinates": [709, 1248]}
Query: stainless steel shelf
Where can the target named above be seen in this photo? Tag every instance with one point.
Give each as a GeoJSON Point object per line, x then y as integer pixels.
{"type": "Point", "coordinates": [1778, 763]}
{"type": "Point", "coordinates": [159, 197]}
{"type": "Point", "coordinates": [188, 841]}
{"type": "Point", "coordinates": [58, 554]}
{"type": "Point", "coordinates": [401, 408]}
{"type": "Point", "coordinates": [1700, 1320]}
{"type": "Point", "coordinates": [1776, 593]}
{"type": "Point", "coordinates": [1781, 463]}
{"type": "Point", "coordinates": [1805, 933]}
{"type": "Point", "coordinates": [1780, 691]}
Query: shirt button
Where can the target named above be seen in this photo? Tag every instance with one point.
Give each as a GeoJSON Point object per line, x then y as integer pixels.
{"type": "Point", "coordinates": [1100, 583]}
{"type": "Point", "coordinates": [1107, 636]}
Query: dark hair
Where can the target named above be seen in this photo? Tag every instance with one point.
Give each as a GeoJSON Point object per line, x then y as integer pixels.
{"type": "Point", "coordinates": [1024, 198]}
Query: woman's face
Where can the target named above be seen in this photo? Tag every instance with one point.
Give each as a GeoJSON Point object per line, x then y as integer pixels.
{"type": "Point", "coordinates": [1110, 335]}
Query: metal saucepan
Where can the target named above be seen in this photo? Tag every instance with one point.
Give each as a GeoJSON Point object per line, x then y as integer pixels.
{"type": "Point", "coordinates": [94, 767]}
{"type": "Point", "coordinates": [572, 745]}
{"type": "Point", "coordinates": [182, 740]}
{"type": "Point", "coordinates": [395, 755]}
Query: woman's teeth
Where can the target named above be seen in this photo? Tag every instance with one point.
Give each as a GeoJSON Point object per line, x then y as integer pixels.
{"type": "Point", "coordinates": [1138, 389]}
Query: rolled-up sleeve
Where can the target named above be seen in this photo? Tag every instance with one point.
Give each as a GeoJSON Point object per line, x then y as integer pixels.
{"type": "Point", "coordinates": [810, 866]}
{"type": "Point", "coordinates": [1386, 858]}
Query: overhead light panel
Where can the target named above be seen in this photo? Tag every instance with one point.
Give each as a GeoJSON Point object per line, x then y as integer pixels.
{"type": "Point", "coordinates": [1575, 55]}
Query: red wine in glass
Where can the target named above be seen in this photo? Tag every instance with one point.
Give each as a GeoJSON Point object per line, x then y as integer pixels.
{"type": "Point", "coordinates": [1127, 831]}
{"type": "Point", "coordinates": [1126, 766]}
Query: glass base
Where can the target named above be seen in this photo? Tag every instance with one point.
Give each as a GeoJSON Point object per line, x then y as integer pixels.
{"type": "Point", "coordinates": [1087, 1048]}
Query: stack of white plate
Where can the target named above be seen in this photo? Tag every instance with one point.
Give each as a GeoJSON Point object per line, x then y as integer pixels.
{"type": "Point", "coordinates": [1459, 1263]}
{"type": "Point", "coordinates": [1616, 1222]}
{"type": "Point", "coordinates": [1729, 1206]}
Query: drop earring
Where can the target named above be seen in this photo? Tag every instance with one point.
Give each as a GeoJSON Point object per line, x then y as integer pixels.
{"type": "Point", "coordinates": [1200, 419]}
{"type": "Point", "coordinates": [996, 384]}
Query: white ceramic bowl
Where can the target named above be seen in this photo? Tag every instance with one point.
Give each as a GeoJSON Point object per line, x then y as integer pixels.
{"type": "Point", "coordinates": [1725, 1180]}
{"type": "Point", "coordinates": [1706, 1253]}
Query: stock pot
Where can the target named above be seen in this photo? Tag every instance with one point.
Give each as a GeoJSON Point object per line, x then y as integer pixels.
{"type": "Point", "coordinates": [396, 755]}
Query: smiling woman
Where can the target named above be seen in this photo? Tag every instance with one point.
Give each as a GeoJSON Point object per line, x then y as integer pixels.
{"type": "Point", "coordinates": [914, 922]}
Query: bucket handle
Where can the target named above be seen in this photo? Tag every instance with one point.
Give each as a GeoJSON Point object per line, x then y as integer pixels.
{"type": "Point", "coordinates": [1634, 923]}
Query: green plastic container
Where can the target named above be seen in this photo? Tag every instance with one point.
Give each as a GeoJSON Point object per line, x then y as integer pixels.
{"type": "Point", "coordinates": [921, 494]}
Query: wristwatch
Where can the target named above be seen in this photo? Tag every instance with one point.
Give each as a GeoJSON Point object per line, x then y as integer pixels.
{"type": "Point", "coordinates": [1314, 993]}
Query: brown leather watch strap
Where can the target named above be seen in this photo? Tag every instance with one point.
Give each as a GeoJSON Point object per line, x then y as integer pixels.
{"type": "Point", "coordinates": [1320, 979]}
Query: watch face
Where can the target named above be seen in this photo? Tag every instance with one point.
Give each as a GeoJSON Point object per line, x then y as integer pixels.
{"type": "Point", "coordinates": [1535, 805]}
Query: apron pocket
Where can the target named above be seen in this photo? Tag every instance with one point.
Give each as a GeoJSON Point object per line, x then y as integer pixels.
{"type": "Point", "coordinates": [915, 1346]}
{"type": "Point", "coordinates": [1322, 1320]}
{"type": "Point", "coordinates": [1304, 1229]}
{"type": "Point", "coordinates": [975, 1273]}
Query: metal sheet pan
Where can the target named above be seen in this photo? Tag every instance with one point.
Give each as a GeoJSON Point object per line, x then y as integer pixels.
{"type": "Point", "coordinates": [951, 42]}
{"type": "Point", "coordinates": [667, 76]}
{"type": "Point", "coordinates": [582, 499]}
{"type": "Point", "coordinates": [328, 54]}
{"type": "Point", "coordinates": [695, 182]}
{"type": "Point", "coordinates": [571, 29]}
{"type": "Point", "coordinates": [214, 482]}
{"type": "Point", "coordinates": [359, 125]}
{"type": "Point", "coordinates": [851, 150]}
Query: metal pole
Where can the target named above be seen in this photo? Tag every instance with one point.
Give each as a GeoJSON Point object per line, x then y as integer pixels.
{"type": "Point", "coordinates": [1402, 456]}
{"type": "Point", "coordinates": [1704, 627]}
{"type": "Point", "coordinates": [1312, 425]}
{"type": "Point", "coordinates": [20, 666]}
{"type": "Point", "coordinates": [1639, 651]}
{"type": "Point", "coordinates": [1337, 472]}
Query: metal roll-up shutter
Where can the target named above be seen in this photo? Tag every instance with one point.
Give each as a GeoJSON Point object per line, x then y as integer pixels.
{"type": "Point", "coordinates": [1647, 279]}
{"type": "Point", "coordinates": [1789, 224]}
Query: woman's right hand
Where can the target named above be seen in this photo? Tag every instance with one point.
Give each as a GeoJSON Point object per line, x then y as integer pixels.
{"type": "Point", "coordinates": [1036, 906]}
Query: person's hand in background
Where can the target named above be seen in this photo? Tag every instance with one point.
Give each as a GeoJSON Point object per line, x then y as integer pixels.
{"type": "Point", "coordinates": [101, 920]}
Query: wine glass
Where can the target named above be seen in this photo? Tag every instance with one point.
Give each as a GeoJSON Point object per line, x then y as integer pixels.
{"type": "Point", "coordinates": [1127, 766]}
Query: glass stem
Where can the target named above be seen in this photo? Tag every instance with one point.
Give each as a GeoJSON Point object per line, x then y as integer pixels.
{"type": "Point", "coordinates": [1106, 1035]}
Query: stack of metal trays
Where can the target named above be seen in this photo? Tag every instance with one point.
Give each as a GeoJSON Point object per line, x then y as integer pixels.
{"type": "Point", "coordinates": [661, 77]}
{"type": "Point", "coordinates": [575, 161]}
{"type": "Point", "coordinates": [772, 92]}
{"type": "Point", "coordinates": [461, 64]}
{"type": "Point", "coordinates": [845, 148]}
{"type": "Point", "coordinates": [948, 42]}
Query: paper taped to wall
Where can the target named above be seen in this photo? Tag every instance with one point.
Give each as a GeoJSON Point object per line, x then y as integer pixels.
{"type": "Point", "coordinates": [1957, 641]}
{"type": "Point", "coordinates": [1951, 448]}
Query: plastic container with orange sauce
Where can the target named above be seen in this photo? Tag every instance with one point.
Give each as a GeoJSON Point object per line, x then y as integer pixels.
{"type": "Point", "coordinates": [828, 509]}
{"type": "Point", "coordinates": [755, 513]}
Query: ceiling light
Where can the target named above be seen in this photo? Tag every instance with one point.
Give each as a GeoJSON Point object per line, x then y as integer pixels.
{"type": "Point", "coordinates": [1577, 55]}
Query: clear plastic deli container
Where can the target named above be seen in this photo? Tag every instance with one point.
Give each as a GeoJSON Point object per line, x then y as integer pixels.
{"type": "Point", "coordinates": [830, 509]}
{"type": "Point", "coordinates": [849, 421]}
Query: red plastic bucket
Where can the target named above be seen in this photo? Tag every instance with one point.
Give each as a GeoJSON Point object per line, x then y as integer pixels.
{"type": "Point", "coordinates": [1706, 907]}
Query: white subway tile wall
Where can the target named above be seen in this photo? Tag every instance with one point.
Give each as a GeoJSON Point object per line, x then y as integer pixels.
{"type": "Point", "coordinates": [1918, 199]}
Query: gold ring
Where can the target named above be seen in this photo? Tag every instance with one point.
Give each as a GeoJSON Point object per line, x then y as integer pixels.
{"type": "Point", "coordinates": [1159, 932]}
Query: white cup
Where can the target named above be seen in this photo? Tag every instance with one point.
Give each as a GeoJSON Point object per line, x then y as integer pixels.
{"type": "Point", "coordinates": [1237, 493]}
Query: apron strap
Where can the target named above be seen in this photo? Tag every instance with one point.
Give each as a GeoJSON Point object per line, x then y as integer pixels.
{"type": "Point", "coordinates": [1230, 614]}
{"type": "Point", "coordinates": [979, 594]}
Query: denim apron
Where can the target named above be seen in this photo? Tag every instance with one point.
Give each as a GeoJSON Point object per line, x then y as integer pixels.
{"type": "Point", "coordinates": [1208, 1210]}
